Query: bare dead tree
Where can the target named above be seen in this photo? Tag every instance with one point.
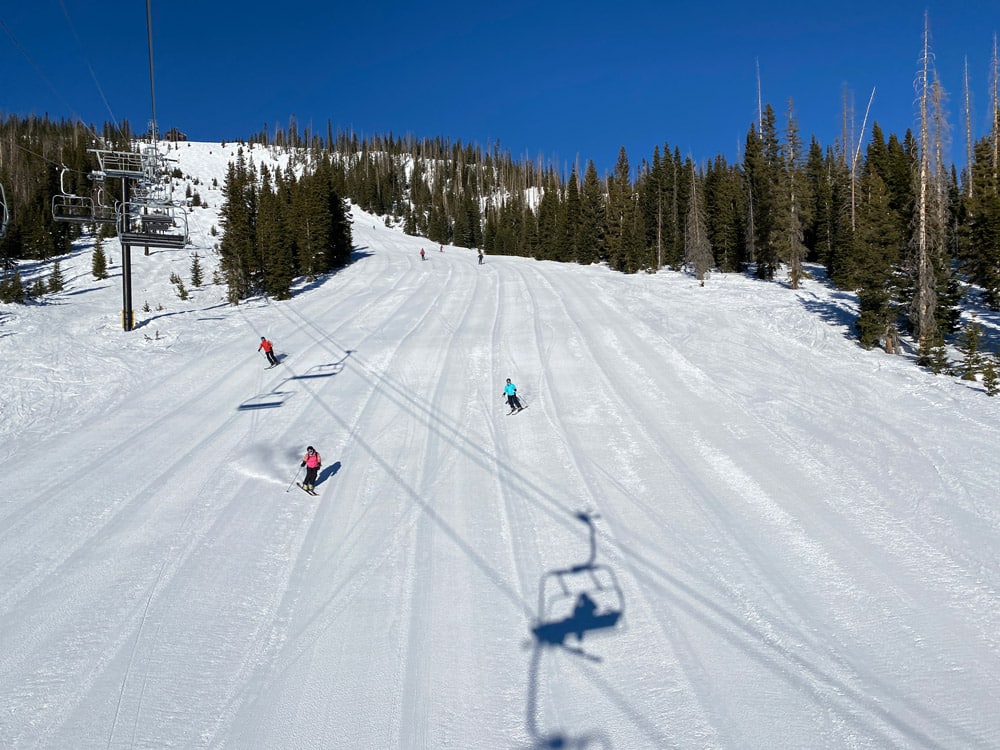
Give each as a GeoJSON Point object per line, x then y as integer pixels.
{"type": "Point", "coordinates": [995, 109]}
{"type": "Point", "coordinates": [928, 239]}
{"type": "Point", "coordinates": [697, 246]}
{"type": "Point", "coordinates": [855, 158]}
{"type": "Point", "coordinates": [968, 128]}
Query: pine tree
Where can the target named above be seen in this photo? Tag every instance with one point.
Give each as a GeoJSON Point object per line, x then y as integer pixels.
{"type": "Point", "coordinates": [239, 261]}
{"type": "Point", "coordinates": [196, 272]}
{"type": "Point", "coordinates": [969, 345]}
{"type": "Point", "coordinates": [872, 262]}
{"type": "Point", "coordinates": [762, 166]}
{"type": "Point", "coordinates": [981, 257]}
{"type": "Point", "coordinates": [99, 261]}
{"type": "Point", "coordinates": [590, 234]}
{"type": "Point", "coordinates": [991, 379]}
{"type": "Point", "coordinates": [56, 282]}
{"type": "Point", "coordinates": [724, 214]}
{"type": "Point", "coordinates": [12, 290]}
{"type": "Point", "coordinates": [275, 241]}
{"type": "Point", "coordinates": [178, 283]}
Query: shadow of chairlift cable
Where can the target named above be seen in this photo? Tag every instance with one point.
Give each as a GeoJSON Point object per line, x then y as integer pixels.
{"type": "Point", "coordinates": [578, 600]}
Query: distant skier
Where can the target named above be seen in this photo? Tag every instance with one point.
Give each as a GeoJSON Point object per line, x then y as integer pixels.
{"type": "Point", "coordinates": [312, 462]}
{"type": "Point", "coordinates": [442, 248]}
{"type": "Point", "coordinates": [268, 348]}
{"type": "Point", "coordinates": [422, 254]}
{"type": "Point", "coordinates": [510, 391]}
{"type": "Point", "coordinates": [480, 256]}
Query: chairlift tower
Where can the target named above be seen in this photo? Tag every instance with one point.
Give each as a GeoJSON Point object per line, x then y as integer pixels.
{"type": "Point", "coordinates": [145, 216]}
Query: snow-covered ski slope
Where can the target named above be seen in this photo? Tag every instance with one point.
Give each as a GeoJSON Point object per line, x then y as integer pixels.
{"type": "Point", "coordinates": [802, 539]}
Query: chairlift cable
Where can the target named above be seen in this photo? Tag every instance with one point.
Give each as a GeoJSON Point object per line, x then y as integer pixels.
{"type": "Point", "coordinates": [152, 87]}
{"type": "Point", "coordinates": [90, 68]}
{"type": "Point", "coordinates": [48, 83]}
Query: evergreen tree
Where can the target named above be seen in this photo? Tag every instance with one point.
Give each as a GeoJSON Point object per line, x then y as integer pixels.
{"type": "Point", "coordinates": [56, 282]}
{"type": "Point", "coordinates": [238, 215]}
{"type": "Point", "coordinates": [724, 214]}
{"type": "Point", "coordinates": [570, 219]}
{"type": "Point", "coordinates": [178, 283]}
{"type": "Point", "coordinates": [11, 289]}
{"type": "Point", "coordinates": [590, 238]}
{"type": "Point", "coordinates": [970, 345]}
{"type": "Point", "coordinates": [991, 379]}
{"type": "Point", "coordinates": [874, 264]}
{"type": "Point", "coordinates": [197, 276]}
{"type": "Point", "coordinates": [99, 260]}
{"type": "Point", "coordinates": [762, 166]}
{"type": "Point", "coordinates": [981, 256]}
{"type": "Point", "coordinates": [275, 242]}
{"type": "Point", "coordinates": [624, 236]}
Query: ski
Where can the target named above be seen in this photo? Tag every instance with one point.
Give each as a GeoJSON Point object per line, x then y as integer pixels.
{"type": "Point", "coordinates": [308, 492]}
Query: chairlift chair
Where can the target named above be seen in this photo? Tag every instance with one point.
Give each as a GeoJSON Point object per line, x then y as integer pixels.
{"type": "Point", "coordinates": [149, 224]}
{"type": "Point", "coordinates": [68, 207]}
{"type": "Point", "coordinates": [120, 163]}
{"type": "Point", "coordinates": [103, 213]}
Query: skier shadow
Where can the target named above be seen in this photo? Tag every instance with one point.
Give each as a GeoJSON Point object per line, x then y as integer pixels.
{"type": "Point", "coordinates": [572, 603]}
{"type": "Point", "coordinates": [328, 472]}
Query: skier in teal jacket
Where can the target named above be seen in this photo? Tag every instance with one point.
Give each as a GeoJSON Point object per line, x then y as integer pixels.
{"type": "Point", "coordinates": [510, 391]}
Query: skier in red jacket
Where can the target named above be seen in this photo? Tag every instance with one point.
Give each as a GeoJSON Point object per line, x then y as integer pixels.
{"type": "Point", "coordinates": [268, 348]}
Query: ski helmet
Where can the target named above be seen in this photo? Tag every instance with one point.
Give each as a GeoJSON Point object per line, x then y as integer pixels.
{"type": "Point", "coordinates": [310, 448]}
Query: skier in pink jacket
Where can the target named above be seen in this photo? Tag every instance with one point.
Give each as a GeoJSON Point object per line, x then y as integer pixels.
{"type": "Point", "coordinates": [312, 462]}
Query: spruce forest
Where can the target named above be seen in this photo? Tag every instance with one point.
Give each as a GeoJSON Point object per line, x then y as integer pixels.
{"type": "Point", "coordinates": [891, 222]}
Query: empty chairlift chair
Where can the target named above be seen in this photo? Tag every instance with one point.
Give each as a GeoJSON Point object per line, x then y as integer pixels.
{"type": "Point", "coordinates": [153, 224]}
{"type": "Point", "coordinates": [69, 207]}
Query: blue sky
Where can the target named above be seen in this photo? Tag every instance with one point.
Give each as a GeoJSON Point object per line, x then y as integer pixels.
{"type": "Point", "coordinates": [557, 80]}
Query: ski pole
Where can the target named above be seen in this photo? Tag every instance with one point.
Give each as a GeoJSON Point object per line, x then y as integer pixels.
{"type": "Point", "coordinates": [293, 479]}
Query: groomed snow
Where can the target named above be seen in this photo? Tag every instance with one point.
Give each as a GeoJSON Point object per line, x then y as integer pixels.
{"type": "Point", "coordinates": [802, 538]}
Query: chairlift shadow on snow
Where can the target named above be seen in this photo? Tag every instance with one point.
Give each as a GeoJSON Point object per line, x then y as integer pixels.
{"type": "Point", "coordinates": [271, 400]}
{"type": "Point", "coordinates": [321, 371]}
{"type": "Point", "coordinates": [572, 603]}
{"type": "Point", "coordinates": [578, 600]}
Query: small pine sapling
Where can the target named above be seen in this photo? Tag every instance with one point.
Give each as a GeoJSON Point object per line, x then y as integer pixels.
{"type": "Point", "coordinates": [991, 378]}
{"type": "Point", "coordinates": [196, 273]}
{"type": "Point", "coordinates": [969, 345]}
{"type": "Point", "coordinates": [179, 283]}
